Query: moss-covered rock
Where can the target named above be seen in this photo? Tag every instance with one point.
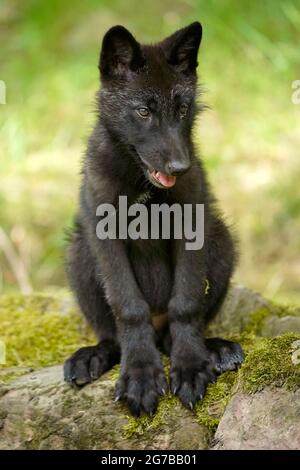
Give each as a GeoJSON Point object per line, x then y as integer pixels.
{"type": "Point", "coordinates": [40, 330]}
{"type": "Point", "coordinates": [245, 311]}
{"type": "Point", "coordinates": [39, 411]}
{"type": "Point", "coordinates": [270, 363]}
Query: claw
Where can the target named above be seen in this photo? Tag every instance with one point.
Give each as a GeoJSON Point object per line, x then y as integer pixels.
{"type": "Point", "coordinates": [174, 390]}
{"type": "Point", "coordinates": [191, 405]}
{"type": "Point", "coordinates": [118, 398]}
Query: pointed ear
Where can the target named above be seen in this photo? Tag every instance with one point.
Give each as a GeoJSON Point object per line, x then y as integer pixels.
{"type": "Point", "coordinates": [120, 53]}
{"type": "Point", "coordinates": [181, 49]}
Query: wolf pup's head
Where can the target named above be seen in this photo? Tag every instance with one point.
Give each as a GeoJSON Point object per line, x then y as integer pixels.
{"type": "Point", "coordinates": [147, 98]}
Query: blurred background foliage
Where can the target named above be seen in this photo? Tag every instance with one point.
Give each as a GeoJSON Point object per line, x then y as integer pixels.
{"type": "Point", "coordinates": [249, 138]}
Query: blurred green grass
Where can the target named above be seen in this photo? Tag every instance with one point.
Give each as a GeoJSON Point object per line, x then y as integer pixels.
{"type": "Point", "coordinates": [249, 138]}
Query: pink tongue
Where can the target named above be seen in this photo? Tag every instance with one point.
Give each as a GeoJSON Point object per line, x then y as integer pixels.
{"type": "Point", "coordinates": [165, 180]}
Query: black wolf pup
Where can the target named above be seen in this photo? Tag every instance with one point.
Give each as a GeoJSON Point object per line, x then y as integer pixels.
{"type": "Point", "coordinates": [146, 295]}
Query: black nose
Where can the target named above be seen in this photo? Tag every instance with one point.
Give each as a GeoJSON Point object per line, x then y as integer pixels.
{"type": "Point", "coordinates": [177, 168]}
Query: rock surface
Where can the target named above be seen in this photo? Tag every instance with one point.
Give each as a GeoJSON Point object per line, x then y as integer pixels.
{"type": "Point", "coordinates": [236, 311]}
{"type": "Point", "coordinates": [39, 411]}
{"type": "Point", "coordinates": [269, 419]}
{"type": "Point", "coordinates": [274, 326]}
{"type": "Point", "coordinates": [243, 305]}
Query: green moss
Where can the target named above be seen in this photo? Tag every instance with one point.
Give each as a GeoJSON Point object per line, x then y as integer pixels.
{"type": "Point", "coordinates": [138, 426]}
{"type": "Point", "coordinates": [10, 375]}
{"type": "Point", "coordinates": [257, 320]}
{"type": "Point", "coordinates": [210, 410]}
{"type": "Point", "coordinates": [287, 311]}
{"type": "Point", "coordinates": [207, 287]}
{"type": "Point", "coordinates": [114, 372]}
{"type": "Point", "coordinates": [269, 363]}
{"type": "Point", "coordinates": [38, 330]}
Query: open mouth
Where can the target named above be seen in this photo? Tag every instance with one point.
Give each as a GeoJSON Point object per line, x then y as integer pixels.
{"type": "Point", "coordinates": [161, 180]}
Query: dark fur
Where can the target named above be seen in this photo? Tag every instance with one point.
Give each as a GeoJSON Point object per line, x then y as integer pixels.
{"type": "Point", "coordinates": [120, 284]}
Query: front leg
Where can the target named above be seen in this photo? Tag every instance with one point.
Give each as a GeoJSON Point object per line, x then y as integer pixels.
{"type": "Point", "coordinates": [191, 365]}
{"type": "Point", "coordinates": [142, 378]}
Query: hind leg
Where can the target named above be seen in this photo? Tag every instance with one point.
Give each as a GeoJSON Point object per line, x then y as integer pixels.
{"type": "Point", "coordinates": [225, 355]}
{"type": "Point", "coordinates": [89, 363]}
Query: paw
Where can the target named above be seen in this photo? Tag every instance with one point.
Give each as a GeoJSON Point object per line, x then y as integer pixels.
{"type": "Point", "coordinates": [189, 379]}
{"type": "Point", "coordinates": [88, 364]}
{"type": "Point", "coordinates": [141, 386]}
{"type": "Point", "coordinates": [225, 355]}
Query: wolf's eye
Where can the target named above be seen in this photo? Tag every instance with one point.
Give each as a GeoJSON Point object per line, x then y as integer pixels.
{"type": "Point", "coordinates": [143, 112]}
{"type": "Point", "coordinates": [183, 110]}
